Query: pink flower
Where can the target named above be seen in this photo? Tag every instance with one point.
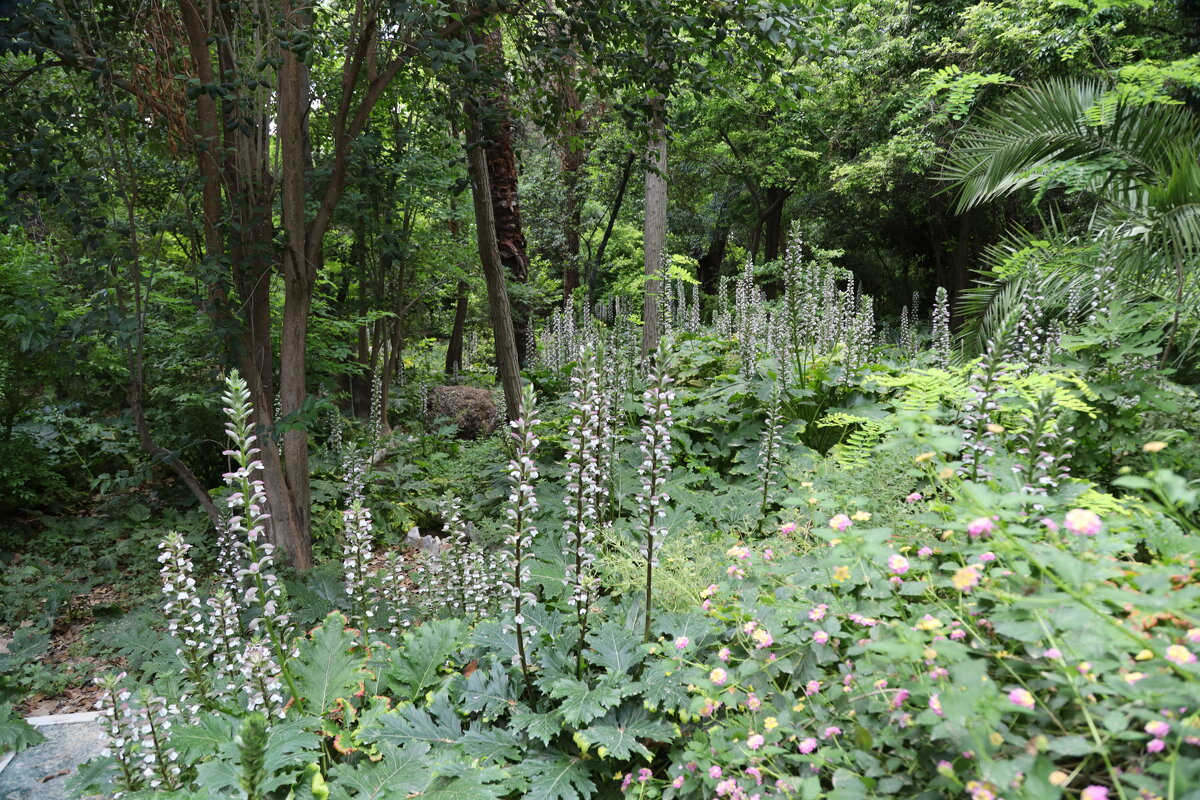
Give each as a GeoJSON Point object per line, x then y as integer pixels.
{"type": "Point", "coordinates": [808, 745]}
{"type": "Point", "coordinates": [915, 497]}
{"type": "Point", "coordinates": [987, 557]}
{"type": "Point", "coordinates": [628, 780]}
{"type": "Point", "coordinates": [1178, 654]}
{"type": "Point", "coordinates": [1022, 698]}
{"type": "Point", "coordinates": [718, 676]}
{"type": "Point", "coordinates": [1193, 635]}
{"type": "Point", "coordinates": [821, 637]}
{"type": "Point", "coordinates": [832, 730]}
{"type": "Point", "coordinates": [682, 642]}
{"type": "Point", "coordinates": [1083, 522]}
{"type": "Point", "coordinates": [818, 613]}
{"type": "Point", "coordinates": [1094, 792]}
{"type": "Point", "coordinates": [840, 522]}
{"type": "Point", "coordinates": [935, 704]}
{"type": "Point", "coordinates": [958, 634]}
{"type": "Point", "coordinates": [723, 654]}
{"type": "Point", "coordinates": [812, 687]}
{"type": "Point", "coordinates": [756, 773]}
{"type": "Point", "coordinates": [925, 552]}
{"type": "Point", "coordinates": [1157, 728]}
{"type": "Point", "coordinates": [768, 554]}
{"type": "Point", "coordinates": [899, 698]}
{"type": "Point", "coordinates": [753, 703]}
{"type": "Point", "coordinates": [1155, 746]}
{"type": "Point", "coordinates": [897, 563]}
{"type": "Point", "coordinates": [714, 771]}
{"type": "Point", "coordinates": [726, 787]}
{"type": "Point", "coordinates": [1052, 526]}
{"type": "Point", "coordinates": [644, 774]}
{"type": "Point", "coordinates": [1053, 652]}
{"type": "Point", "coordinates": [980, 527]}
{"type": "Point", "coordinates": [755, 741]}
{"type": "Point", "coordinates": [678, 782]}
{"type": "Point", "coordinates": [787, 527]}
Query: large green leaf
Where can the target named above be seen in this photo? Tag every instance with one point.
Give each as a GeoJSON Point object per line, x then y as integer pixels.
{"type": "Point", "coordinates": [618, 734]}
{"type": "Point", "coordinates": [15, 733]}
{"type": "Point", "coordinates": [489, 692]}
{"type": "Point", "coordinates": [554, 776]}
{"type": "Point", "coordinates": [614, 647]}
{"type": "Point", "coordinates": [401, 770]}
{"type": "Point", "coordinates": [582, 703]}
{"type": "Point", "coordinates": [328, 664]}
{"type": "Point", "coordinates": [416, 663]}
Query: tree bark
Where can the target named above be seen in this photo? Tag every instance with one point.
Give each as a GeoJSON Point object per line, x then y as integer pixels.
{"type": "Point", "coordinates": [493, 271]}
{"type": "Point", "coordinates": [654, 231]}
{"type": "Point", "coordinates": [503, 180]}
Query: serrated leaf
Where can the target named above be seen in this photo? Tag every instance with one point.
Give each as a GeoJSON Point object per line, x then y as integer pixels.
{"type": "Point", "coordinates": [412, 724]}
{"type": "Point", "coordinates": [556, 777]}
{"type": "Point", "coordinates": [662, 687]}
{"type": "Point", "coordinates": [401, 770]}
{"type": "Point", "coordinates": [489, 691]}
{"type": "Point", "coordinates": [490, 743]}
{"type": "Point", "coordinates": [15, 733]}
{"type": "Point", "coordinates": [542, 727]}
{"type": "Point", "coordinates": [615, 648]}
{"type": "Point", "coordinates": [205, 737]}
{"type": "Point", "coordinates": [619, 733]}
{"type": "Point", "coordinates": [290, 747]}
{"type": "Point", "coordinates": [418, 660]}
{"type": "Point", "coordinates": [582, 703]}
{"type": "Point", "coordinates": [327, 664]}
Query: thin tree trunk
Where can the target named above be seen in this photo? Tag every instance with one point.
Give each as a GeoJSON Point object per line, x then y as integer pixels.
{"type": "Point", "coordinates": [454, 350]}
{"type": "Point", "coordinates": [614, 212]}
{"type": "Point", "coordinates": [654, 231]}
{"type": "Point", "coordinates": [493, 271]}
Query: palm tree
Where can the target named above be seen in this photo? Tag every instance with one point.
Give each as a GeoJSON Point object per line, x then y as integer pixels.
{"type": "Point", "coordinates": [1138, 161]}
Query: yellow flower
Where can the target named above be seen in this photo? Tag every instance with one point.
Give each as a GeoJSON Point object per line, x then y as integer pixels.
{"type": "Point", "coordinates": [770, 723]}
{"type": "Point", "coordinates": [1145, 655]}
{"type": "Point", "coordinates": [995, 738]}
{"type": "Point", "coordinates": [812, 501]}
{"type": "Point", "coordinates": [1154, 447]}
{"type": "Point", "coordinates": [1133, 677]}
{"type": "Point", "coordinates": [921, 459]}
{"type": "Point", "coordinates": [929, 654]}
{"type": "Point", "coordinates": [841, 574]}
{"type": "Point", "coordinates": [798, 707]}
{"type": "Point", "coordinates": [806, 484]}
{"type": "Point", "coordinates": [861, 516]}
{"type": "Point", "coordinates": [1058, 777]}
{"type": "Point", "coordinates": [929, 623]}
{"type": "Point", "coordinates": [946, 473]}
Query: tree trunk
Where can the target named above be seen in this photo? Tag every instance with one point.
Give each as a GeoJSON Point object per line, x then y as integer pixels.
{"type": "Point", "coordinates": [598, 261]}
{"type": "Point", "coordinates": [454, 350]}
{"type": "Point", "coordinates": [502, 178]}
{"type": "Point", "coordinates": [773, 232]}
{"type": "Point", "coordinates": [710, 262]}
{"type": "Point", "coordinates": [572, 161]}
{"type": "Point", "coordinates": [654, 231]}
{"type": "Point", "coordinates": [493, 270]}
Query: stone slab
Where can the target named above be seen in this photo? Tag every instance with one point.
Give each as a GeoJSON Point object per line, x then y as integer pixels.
{"type": "Point", "coordinates": [41, 772]}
